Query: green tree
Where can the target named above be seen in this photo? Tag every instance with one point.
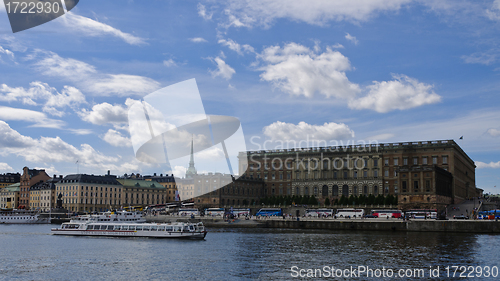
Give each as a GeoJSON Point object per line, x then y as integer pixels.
{"type": "Point", "coordinates": [313, 201]}
{"type": "Point", "coordinates": [336, 202]}
{"type": "Point", "coordinates": [327, 202]}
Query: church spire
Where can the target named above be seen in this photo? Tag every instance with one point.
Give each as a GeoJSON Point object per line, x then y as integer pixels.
{"type": "Point", "coordinates": [191, 171]}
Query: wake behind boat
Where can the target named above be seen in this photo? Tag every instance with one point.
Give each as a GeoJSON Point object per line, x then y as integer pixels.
{"type": "Point", "coordinates": [156, 230]}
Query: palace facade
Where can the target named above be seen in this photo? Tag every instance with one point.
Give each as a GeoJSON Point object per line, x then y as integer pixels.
{"type": "Point", "coordinates": [423, 174]}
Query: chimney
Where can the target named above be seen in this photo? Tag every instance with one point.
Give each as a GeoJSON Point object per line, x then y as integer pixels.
{"type": "Point", "coordinates": [55, 176]}
{"type": "Point", "coordinates": [161, 175]}
{"type": "Point", "coordinates": [60, 176]}
{"type": "Point", "coordinates": [154, 174]}
{"type": "Point", "coordinates": [109, 172]}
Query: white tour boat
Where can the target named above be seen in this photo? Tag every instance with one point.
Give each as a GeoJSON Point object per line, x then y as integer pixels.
{"type": "Point", "coordinates": [21, 216]}
{"type": "Point", "coordinates": [156, 230]}
{"type": "Point", "coordinates": [118, 216]}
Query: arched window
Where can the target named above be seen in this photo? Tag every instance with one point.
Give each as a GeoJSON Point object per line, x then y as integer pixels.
{"type": "Point", "coordinates": [355, 190]}
{"type": "Point", "coordinates": [306, 190]}
{"type": "Point", "coordinates": [345, 190]}
{"type": "Point", "coordinates": [324, 190]}
{"type": "Point", "coordinates": [365, 190]}
{"type": "Point", "coordinates": [375, 190]}
{"type": "Point", "coordinates": [315, 191]}
{"type": "Point", "coordinates": [335, 190]}
{"type": "Point", "coordinates": [298, 191]}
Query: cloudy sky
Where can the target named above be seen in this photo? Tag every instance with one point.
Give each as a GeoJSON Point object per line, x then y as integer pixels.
{"type": "Point", "coordinates": [348, 71]}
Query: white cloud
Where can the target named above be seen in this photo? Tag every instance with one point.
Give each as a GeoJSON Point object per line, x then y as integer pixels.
{"type": "Point", "coordinates": [223, 70]}
{"type": "Point", "coordinates": [54, 100]}
{"type": "Point", "coordinates": [338, 46]}
{"type": "Point", "coordinates": [69, 96]}
{"type": "Point", "coordinates": [55, 150]}
{"type": "Point", "coordinates": [5, 167]}
{"type": "Point", "coordinates": [493, 132]}
{"type": "Point", "coordinates": [264, 12]}
{"type": "Point", "coordinates": [202, 11]}
{"type": "Point", "coordinates": [494, 12]}
{"type": "Point", "coordinates": [402, 93]}
{"type": "Point", "coordinates": [211, 153]}
{"type": "Point", "coordinates": [281, 131]}
{"type": "Point", "coordinates": [178, 171]}
{"type": "Point", "coordinates": [197, 40]}
{"type": "Point", "coordinates": [104, 113]}
{"type": "Point", "coordinates": [485, 58]}
{"type": "Point", "coordinates": [91, 80]}
{"type": "Point", "coordinates": [351, 38]}
{"type": "Point", "coordinates": [482, 165]}
{"type": "Point", "coordinates": [81, 132]}
{"type": "Point", "coordinates": [38, 119]}
{"type": "Point", "coordinates": [169, 63]}
{"type": "Point", "coordinates": [298, 70]}
{"type": "Point", "coordinates": [88, 27]}
{"type": "Point", "coordinates": [7, 52]}
{"type": "Point", "coordinates": [240, 49]}
{"type": "Point", "coordinates": [115, 138]}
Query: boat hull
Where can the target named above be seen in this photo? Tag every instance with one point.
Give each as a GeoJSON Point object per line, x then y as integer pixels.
{"type": "Point", "coordinates": [118, 233]}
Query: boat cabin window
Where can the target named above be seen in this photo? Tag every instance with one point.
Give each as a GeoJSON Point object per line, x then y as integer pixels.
{"type": "Point", "coordinates": [161, 228]}
{"type": "Point", "coordinates": [139, 227]}
{"type": "Point", "coordinates": [117, 227]}
{"type": "Point", "coordinates": [124, 227]}
{"type": "Point", "coordinates": [145, 228]}
{"type": "Point", "coordinates": [90, 227]}
{"type": "Point", "coordinates": [170, 228]}
{"type": "Point", "coordinates": [154, 228]}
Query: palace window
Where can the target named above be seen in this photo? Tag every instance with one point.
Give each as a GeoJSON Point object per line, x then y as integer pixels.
{"type": "Point", "coordinates": [445, 159]}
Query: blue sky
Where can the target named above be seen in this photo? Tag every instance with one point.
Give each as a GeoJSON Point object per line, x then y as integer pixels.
{"type": "Point", "coordinates": [390, 71]}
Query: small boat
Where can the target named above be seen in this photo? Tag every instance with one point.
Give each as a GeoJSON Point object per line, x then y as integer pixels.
{"type": "Point", "coordinates": [117, 216]}
{"type": "Point", "coordinates": [157, 230]}
{"type": "Point", "coordinates": [8, 216]}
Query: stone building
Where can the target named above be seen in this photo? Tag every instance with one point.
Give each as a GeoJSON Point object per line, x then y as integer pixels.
{"type": "Point", "coordinates": [9, 196]}
{"type": "Point", "coordinates": [425, 174]}
{"type": "Point", "coordinates": [9, 178]}
{"type": "Point", "coordinates": [218, 190]}
{"type": "Point", "coordinates": [29, 178]}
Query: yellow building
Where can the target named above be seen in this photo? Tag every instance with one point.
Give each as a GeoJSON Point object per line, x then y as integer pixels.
{"type": "Point", "coordinates": [168, 182]}
{"type": "Point", "coordinates": [9, 196]}
{"type": "Point", "coordinates": [142, 192]}
{"type": "Point", "coordinates": [89, 193]}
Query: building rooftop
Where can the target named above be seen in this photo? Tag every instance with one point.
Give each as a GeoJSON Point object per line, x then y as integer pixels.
{"type": "Point", "coordinates": [131, 183]}
{"type": "Point", "coordinates": [91, 179]}
{"type": "Point", "coordinates": [11, 188]}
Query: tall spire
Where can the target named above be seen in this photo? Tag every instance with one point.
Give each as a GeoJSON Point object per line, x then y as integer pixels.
{"type": "Point", "coordinates": [191, 171]}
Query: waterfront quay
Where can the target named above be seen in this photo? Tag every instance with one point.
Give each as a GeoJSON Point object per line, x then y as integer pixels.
{"type": "Point", "coordinates": [366, 224]}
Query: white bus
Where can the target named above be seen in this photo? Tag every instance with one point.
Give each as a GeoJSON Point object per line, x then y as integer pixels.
{"type": "Point", "coordinates": [241, 212]}
{"type": "Point", "coordinates": [188, 212]}
{"type": "Point", "coordinates": [350, 213]}
{"type": "Point", "coordinates": [215, 212]}
{"type": "Point", "coordinates": [319, 213]}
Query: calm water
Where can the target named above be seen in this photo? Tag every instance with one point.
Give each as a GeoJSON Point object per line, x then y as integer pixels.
{"type": "Point", "coordinates": [30, 252]}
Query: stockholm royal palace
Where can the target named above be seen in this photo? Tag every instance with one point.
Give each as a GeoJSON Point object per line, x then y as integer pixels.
{"type": "Point", "coordinates": [422, 174]}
